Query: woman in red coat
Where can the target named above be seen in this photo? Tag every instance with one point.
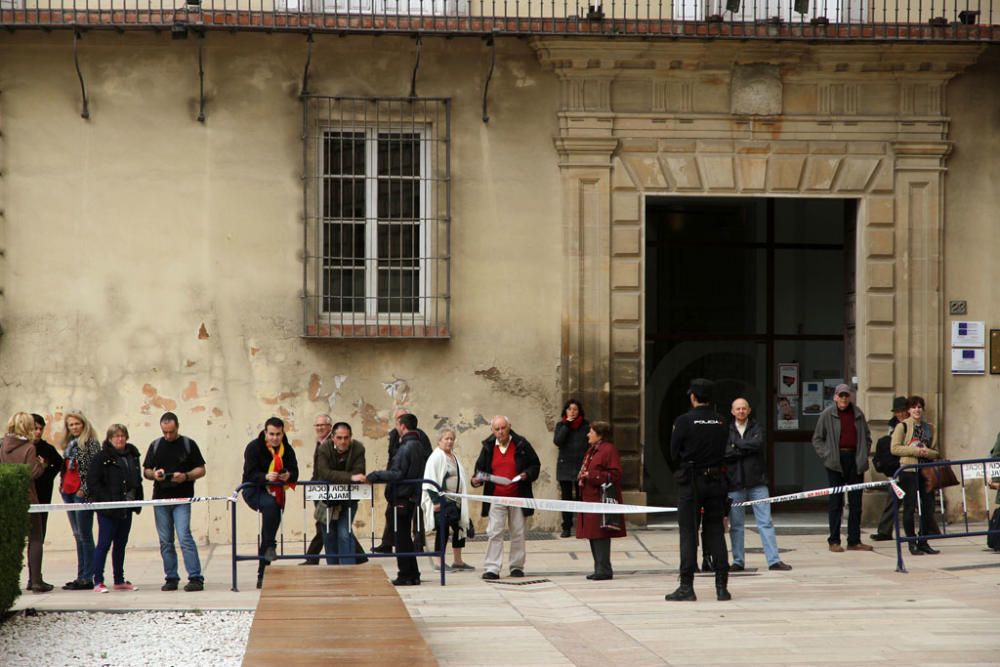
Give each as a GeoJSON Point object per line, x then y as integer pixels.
{"type": "Point", "coordinates": [601, 465]}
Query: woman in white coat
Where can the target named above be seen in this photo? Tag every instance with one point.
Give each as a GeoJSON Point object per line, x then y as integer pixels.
{"type": "Point", "coordinates": [447, 515]}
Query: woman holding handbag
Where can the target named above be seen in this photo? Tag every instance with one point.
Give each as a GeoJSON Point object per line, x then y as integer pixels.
{"type": "Point", "coordinates": [600, 478]}
{"type": "Point", "coordinates": [80, 448]}
{"type": "Point", "coordinates": [914, 440]}
{"type": "Point", "coordinates": [448, 515]}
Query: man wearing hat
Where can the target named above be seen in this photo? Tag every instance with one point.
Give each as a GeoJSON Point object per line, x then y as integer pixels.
{"type": "Point", "coordinates": [885, 522]}
{"type": "Point", "coordinates": [842, 440]}
{"type": "Point", "coordinates": [697, 448]}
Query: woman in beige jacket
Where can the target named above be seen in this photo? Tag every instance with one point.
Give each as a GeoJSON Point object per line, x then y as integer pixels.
{"type": "Point", "coordinates": [914, 440]}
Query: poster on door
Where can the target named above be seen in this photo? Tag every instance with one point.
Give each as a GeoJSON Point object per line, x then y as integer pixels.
{"type": "Point", "coordinates": [787, 413]}
{"type": "Point", "coordinates": [812, 397]}
{"type": "Point", "coordinates": [788, 379]}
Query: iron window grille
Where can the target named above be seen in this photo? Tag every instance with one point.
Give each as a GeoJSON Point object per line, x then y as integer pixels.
{"type": "Point", "coordinates": [378, 217]}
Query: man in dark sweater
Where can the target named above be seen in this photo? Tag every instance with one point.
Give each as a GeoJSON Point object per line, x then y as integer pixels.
{"type": "Point", "coordinates": [842, 440]}
{"type": "Point", "coordinates": [407, 464]}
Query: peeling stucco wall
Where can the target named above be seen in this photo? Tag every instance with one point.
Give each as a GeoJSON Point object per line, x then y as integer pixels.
{"type": "Point", "coordinates": [154, 263]}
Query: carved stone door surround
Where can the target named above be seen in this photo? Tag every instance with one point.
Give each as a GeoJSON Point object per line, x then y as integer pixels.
{"type": "Point", "coordinates": [863, 121]}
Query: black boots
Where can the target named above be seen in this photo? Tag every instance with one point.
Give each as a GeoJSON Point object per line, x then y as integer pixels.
{"type": "Point", "coordinates": [684, 592]}
{"type": "Point", "coordinates": [721, 592]}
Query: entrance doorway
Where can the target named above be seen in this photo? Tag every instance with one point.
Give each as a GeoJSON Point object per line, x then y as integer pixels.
{"type": "Point", "coordinates": [736, 290]}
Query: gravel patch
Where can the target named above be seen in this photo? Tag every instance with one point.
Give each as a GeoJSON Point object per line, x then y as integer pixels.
{"type": "Point", "coordinates": [127, 639]}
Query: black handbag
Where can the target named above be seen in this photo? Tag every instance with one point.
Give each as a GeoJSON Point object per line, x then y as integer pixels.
{"type": "Point", "coordinates": [609, 496]}
{"type": "Point", "coordinates": [993, 541]}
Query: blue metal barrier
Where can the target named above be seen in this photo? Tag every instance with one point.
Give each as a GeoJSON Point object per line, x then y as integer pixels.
{"type": "Point", "coordinates": [900, 539]}
{"type": "Point", "coordinates": [237, 557]}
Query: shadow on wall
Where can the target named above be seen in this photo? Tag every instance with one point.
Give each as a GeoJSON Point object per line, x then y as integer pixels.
{"type": "Point", "coordinates": [666, 399]}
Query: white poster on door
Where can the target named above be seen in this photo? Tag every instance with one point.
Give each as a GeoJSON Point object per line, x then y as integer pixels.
{"type": "Point", "coordinates": [787, 417]}
{"type": "Point", "coordinates": [812, 397]}
{"type": "Point", "coordinates": [788, 379]}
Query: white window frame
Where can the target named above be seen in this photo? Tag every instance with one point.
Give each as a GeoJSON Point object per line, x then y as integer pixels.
{"type": "Point", "coordinates": [371, 314]}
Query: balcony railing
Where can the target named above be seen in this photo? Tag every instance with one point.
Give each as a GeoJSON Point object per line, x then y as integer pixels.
{"type": "Point", "coordinates": [823, 20]}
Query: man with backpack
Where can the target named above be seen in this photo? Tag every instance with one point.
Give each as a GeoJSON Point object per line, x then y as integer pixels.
{"type": "Point", "coordinates": [887, 464]}
{"type": "Point", "coordinates": [174, 462]}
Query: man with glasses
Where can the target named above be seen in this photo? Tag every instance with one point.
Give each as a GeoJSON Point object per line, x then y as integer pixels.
{"type": "Point", "coordinates": [842, 440]}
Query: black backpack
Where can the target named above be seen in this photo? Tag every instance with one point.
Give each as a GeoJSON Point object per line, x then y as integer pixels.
{"type": "Point", "coordinates": [883, 460]}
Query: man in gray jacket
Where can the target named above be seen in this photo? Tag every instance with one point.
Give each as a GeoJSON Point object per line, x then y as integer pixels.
{"type": "Point", "coordinates": [842, 440]}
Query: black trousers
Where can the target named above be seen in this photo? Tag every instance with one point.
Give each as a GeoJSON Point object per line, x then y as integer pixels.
{"type": "Point", "coordinates": [407, 565]}
{"type": "Point", "coordinates": [708, 494]}
{"type": "Point", "coordinates": [569, 490]}
{"type": "Point", "coordinates": [601, 551]}
{"type": "Point", "coordinates": [913, 484]}
{"type": "Point", "coordinates": [848, 474]}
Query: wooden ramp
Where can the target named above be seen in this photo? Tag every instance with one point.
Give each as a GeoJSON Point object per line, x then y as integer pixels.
{"type": "Point", "coordinates": [344, 615]}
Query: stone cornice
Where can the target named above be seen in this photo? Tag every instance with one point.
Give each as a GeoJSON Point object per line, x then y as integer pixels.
{"type": "Point", "coordinates": [595, 57]}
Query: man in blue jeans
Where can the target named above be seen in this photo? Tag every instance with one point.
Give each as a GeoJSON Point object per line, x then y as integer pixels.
{"type": "Point", "coordinates": [174, 462]}
{"type": "Point", "coordinates": [746, 467]}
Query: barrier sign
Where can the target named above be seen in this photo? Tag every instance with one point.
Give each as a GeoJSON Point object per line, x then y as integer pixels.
{"type": "Point", "coordinates": [976, 470]}
{"type": "Point", "coordinates": [338, 492]}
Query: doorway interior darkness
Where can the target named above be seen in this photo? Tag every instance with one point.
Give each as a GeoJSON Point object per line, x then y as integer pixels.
{"type": "Point", "coordinates": [734, 288]}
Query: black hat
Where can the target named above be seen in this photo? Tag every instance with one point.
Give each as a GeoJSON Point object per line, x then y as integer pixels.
{"type": "Point", "coordinates": [899, 404]}
{"type": "Point", "coordinates": [701, 388]}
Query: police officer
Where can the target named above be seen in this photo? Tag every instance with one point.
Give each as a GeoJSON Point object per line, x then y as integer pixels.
{"type": "Point", "coordinates": [697, 447]}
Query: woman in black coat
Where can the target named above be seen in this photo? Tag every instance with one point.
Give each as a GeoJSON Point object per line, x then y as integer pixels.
{"type": "Point", "coordinates": [115, 475]}
{"type": "Point", "coordinates": [571, 439]}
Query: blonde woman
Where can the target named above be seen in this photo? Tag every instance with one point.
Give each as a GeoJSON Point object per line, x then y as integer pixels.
{"type": "Point", "coordinates": [80, 448]}
{"type": "Point", "coordinates": [18, 447]}
{"type": "Point", "coordinates": [446, 514]}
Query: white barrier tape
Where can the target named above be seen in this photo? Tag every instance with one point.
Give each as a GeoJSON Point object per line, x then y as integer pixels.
{"type": "Point", "coordinates": [895, 489]}
{"type": "Point", "coordinates": [123, 504]}
{"type": "Point", "coordinates": [564, 505]}
{"type": "Point", "coordinates": [818, 493]}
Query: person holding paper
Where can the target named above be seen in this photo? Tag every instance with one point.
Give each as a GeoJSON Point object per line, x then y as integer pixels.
{"type": "Point", "coordinates": [506, 455]}
{"type": "Point", "coordinates": [915, 441]}
{"type": "Point", "coordinates": [599, 479]}
{"type": "Point", "coordinates": [339, 460]}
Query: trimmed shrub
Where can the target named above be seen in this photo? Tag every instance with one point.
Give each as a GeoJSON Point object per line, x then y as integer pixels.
{"type": "Point", "coordinates": [14, 480]}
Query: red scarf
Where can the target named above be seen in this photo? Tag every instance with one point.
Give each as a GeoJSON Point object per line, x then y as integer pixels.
{"type": "Point", "coordinates": [575, 424]}
{"type": "Point", "coordinates": [277, 466]}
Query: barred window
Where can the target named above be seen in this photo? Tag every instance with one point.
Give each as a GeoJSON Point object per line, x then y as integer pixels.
{"type": "Point", "coordinates": [377, 210]}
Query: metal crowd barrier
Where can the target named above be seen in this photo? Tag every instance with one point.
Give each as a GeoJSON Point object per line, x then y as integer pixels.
{"type": "Point", "coordinates": [985, 469]}
{"type": "Point", "coordinates": [331, 491]}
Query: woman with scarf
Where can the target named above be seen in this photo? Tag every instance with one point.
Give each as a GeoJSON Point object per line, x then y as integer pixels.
{"type": "Point", "coordinates": [571, 439]}
{"type": "Point", "coordinates": [914, 440]}
{"type": "Point", "coordinates": [114, 476]}
{"type": "Point", "coordinates": [447, 514]}
{"type": "Point", "coordinates": [600, 476]}
{"type": "Point", "coordinates": [80, 447]}
{"type": "Point", "coordinates": [18, 447]}
{"type": "Point", "coordinates": [269, 465]}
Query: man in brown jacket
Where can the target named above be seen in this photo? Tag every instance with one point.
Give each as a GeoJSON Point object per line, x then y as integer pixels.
{"type": "Point", "coordinates": [340, 460]}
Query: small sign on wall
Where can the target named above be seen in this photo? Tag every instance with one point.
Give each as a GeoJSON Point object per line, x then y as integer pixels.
{"type": "Point", "coordinates": [968, 361]}
{"type": "Point", "coordinates": [968, 334]}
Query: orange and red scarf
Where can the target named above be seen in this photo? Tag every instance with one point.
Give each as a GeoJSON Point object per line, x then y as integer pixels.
{"type": "Point", "coordinates": [278, 466]}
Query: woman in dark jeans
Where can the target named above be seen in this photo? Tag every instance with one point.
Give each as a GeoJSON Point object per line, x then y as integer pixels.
{"type": "Point", "coordinates": [80, 447]}
{"type": "Point", "coordinates": [914, 440]}
{"type": "Point", "coordinates": [115, 476]}
{"type": "Point", "coordinates": [571, 439]}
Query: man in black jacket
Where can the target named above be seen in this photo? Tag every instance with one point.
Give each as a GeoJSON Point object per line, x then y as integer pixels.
{"type": "Point", "coordinates": [407, 464]}
{"type": "Point", "coordinates": [697, 448]}
{"type": "Point", "coordinates": [507, 455]}
{"type": "Point", "coordinates": [746, 467]}
{"type": "Point", "coordinates": [269, 463]}
{"type": "Point", "coordinates": [388, 539]}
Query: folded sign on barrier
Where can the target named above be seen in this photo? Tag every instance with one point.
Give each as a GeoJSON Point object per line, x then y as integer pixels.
{"type": "Point", "coordinates": [338, 492]}
{"type": "Point", "coordinates": [977, 470]}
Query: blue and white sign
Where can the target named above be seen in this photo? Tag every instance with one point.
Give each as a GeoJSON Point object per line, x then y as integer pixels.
{"type": "Point", "coordinates": [968, 334]}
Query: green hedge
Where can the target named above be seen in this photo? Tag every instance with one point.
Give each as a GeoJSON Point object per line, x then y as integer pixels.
{"type": "Point", "coordinates": [14, 480]}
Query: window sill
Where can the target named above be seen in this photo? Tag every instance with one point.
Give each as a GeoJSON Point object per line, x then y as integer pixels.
{"type": "Point", "coordinates": [376, 331]}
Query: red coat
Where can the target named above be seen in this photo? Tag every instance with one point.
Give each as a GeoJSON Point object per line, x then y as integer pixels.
{"type": "Point", "coordinates": [600, 464]}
